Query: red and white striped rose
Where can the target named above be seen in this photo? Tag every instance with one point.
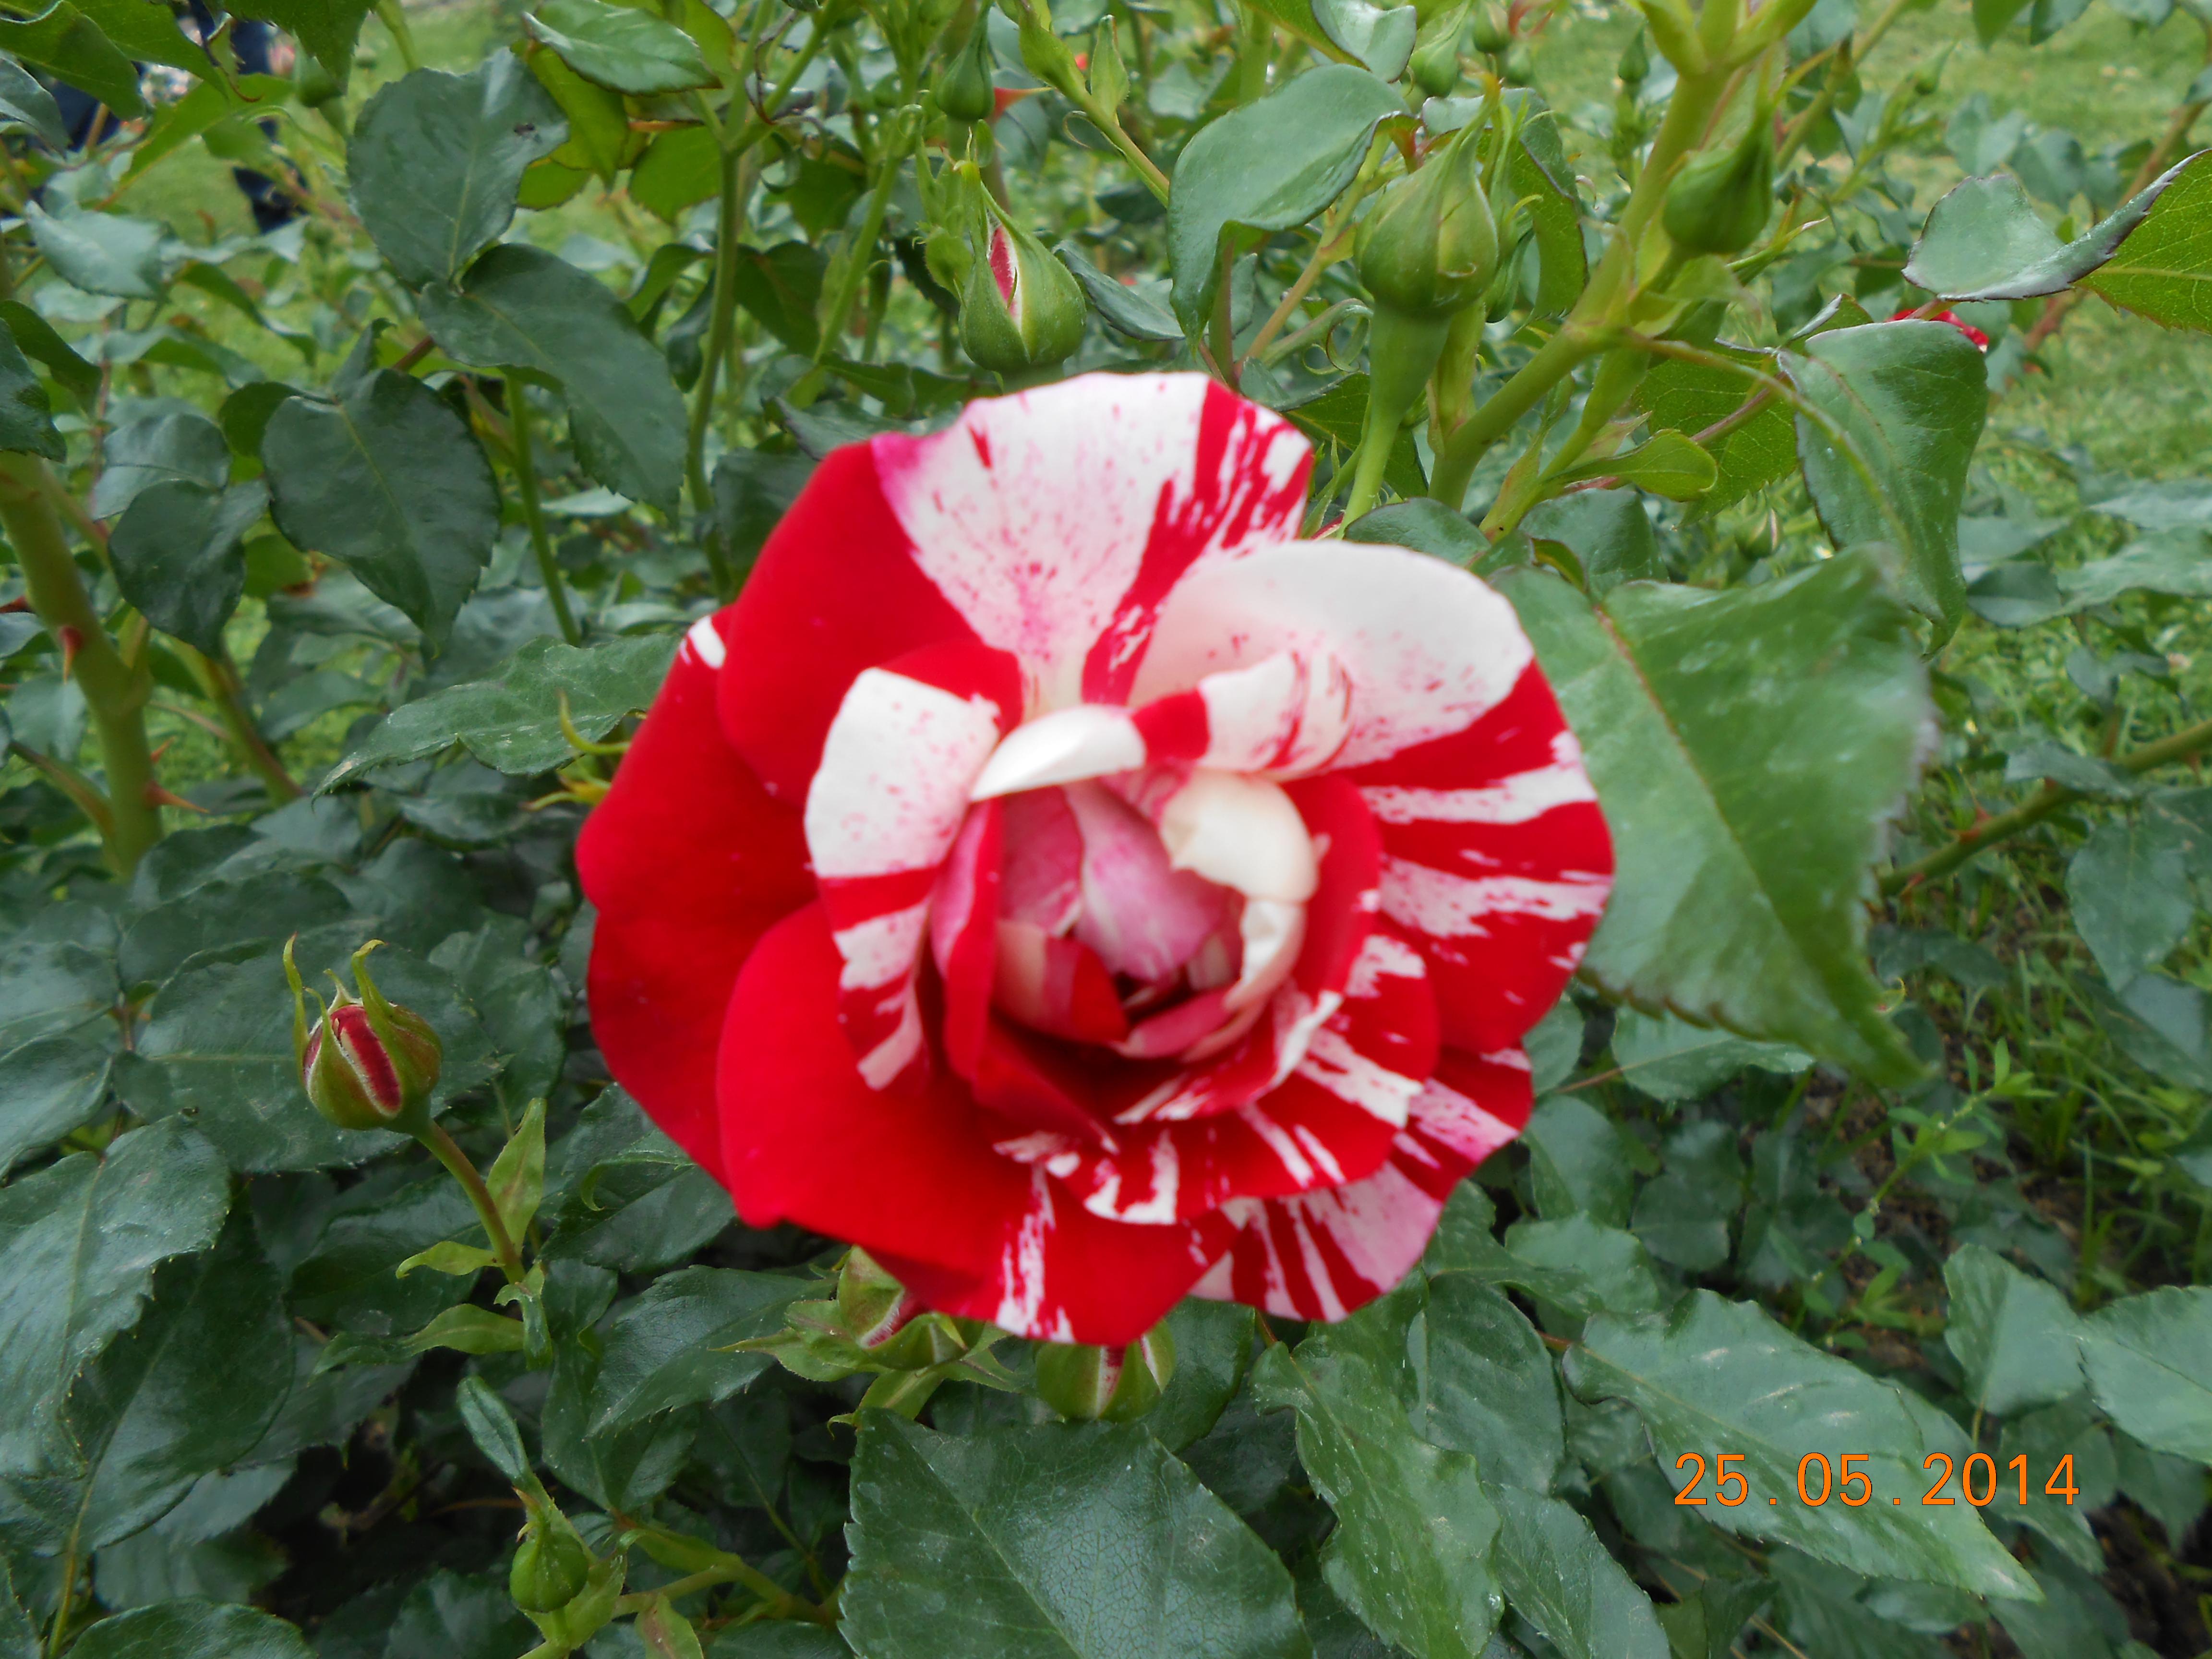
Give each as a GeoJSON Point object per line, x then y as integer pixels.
{"type": "Point", "coordinates": [1058, 878]}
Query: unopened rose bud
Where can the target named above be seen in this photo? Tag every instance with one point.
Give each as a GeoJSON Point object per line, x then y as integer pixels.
{"type": "Point", "coordinates": [965, 91]}
{"type": "Point", "coordinates": [1429, 247]}
{"type": "Point", "coordinates": [1635, 61]}
{"type": "Point", "coordinates": [1435, 63]}
{"type": "Point", "coordinates": [888, 1322]}
{"type": "Point", "coordinates": [366, 1063]}
{"type": "Point", "coordinates": [1020, 309]}
{"type": "Point", "coordinates": [1493, 27]}
{"type": "Point", "coordinates": [1722, 199]}
{"type": "Point", "coordinates": [549, 1570]}
{"type": "Point", "coordinates": [1117, 1385]}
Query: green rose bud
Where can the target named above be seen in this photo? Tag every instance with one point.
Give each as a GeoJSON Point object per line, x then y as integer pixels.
{"type": "Point", "coordinates": [1429, 248]}
{"type": "Point", "coordinates": [549, 1570]}
{"type": "Point", "coordinates": [367, 1063]}
{"type": "Point", "coordinates": [1722, 199]}
{"type": "Point", "coordinates": [1435, 63]}
{"type": "Point", "coordinates": [1020, 309]}
{"type": "Point", "coordinates": [887, 1322]}
{"type": "Point", "coordinates": [1493, 27]}
{"type": "Point", "coordinates": [1635, 61]}
{"type": "Point", "coordinates": [965, 91]}
{"type": "Point", "coordinates": [1118, 1385]}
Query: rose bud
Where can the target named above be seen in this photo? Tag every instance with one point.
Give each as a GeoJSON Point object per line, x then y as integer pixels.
{"type": "Point", "coordinates": [1722, 199]}
{"type": "Point", "coordinates": [1493, 28]}
{"type": "Point", "coordinates": [1435, 63]}
{"type": "Point", "coordinates": [367, 1063]}
{"type": "Point", "coordinates": [965, 92]}
{"type": "Point", "coordinates": [1429, 248]}
{"type": "Point", "coordinates": [549, 1570]}
{"type": "Point", "coordinates": [1021, 309]}
{"type": "Point", "coordinates": [893, 1327]}
{"type": "Point", "coordinates": [1118, 1385]}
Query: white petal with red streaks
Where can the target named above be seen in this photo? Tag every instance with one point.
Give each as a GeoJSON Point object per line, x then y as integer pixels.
{"type": "Point", "coordinates": [1242, 832]}
{"type": "Point", "coordinates": [893, 784]}
{"type": "Point", "coordinates": [1445, 906]}
{"type": "Point", "coordinates": [1035, 514]}
{"type": "Point", "coordinates": [1426, 650]}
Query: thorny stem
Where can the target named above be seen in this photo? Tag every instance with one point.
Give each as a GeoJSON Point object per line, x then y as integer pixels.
{"type": "Point", "coordinates": [114, 691]}
{"type": "Point", "coordinates": [858, 254]}
{"type": "Point", "coordinates": [2050, 798]}
{"type": "Point", "coordinates": [443, 1147]}
{"type": "Point", "coordinates": [533, 515]}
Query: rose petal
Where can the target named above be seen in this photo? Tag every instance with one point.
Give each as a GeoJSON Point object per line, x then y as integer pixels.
{"type": "Point", "coordinates": [1142, 916]}
{"type": "Point", "coordinates": [688, 861]}
{"type": "Point", "coordinates": [1497, 861]}
{"type": "Point", "coordinates": [1054, 521]}
{"type": "Point", "coordinates": [1427, 649]}
{"type": "Point", "coordinates": [1321, 1255]}
{"type": "Point", "coordinates": [883, 812]}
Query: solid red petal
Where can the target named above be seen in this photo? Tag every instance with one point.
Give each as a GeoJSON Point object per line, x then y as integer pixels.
{"type": "Point", "coordinates": [805, 1138]}
{"type": "Point", "coordinates": [963, 932]}
{"type": "Point", "coordinates": [835, 591]}
{"type": "Point", "coordinates": [1496, 859]}
{"type": "Point", "coordinates": [688, 861]}
{"type": "Point", "coordinates": [1324, 1254]}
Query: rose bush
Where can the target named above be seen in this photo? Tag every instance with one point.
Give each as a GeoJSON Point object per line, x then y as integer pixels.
{"type": "Point", "coordinates": [1058, 878]}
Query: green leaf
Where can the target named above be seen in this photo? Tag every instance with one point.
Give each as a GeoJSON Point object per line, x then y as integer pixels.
{"type": "Point", "coordinates": [1581, 1267]}
{"type": "Point", "coordinates": [350, 1277]}
{"type": "Point", "coordinates": [2164, 269]}
{"type": "Point", "coordinates": [1904, 404]}
{"type": "Point", "coordinates": [51, 1085]}
{"type": "Point", "coordinates": [520, 307]}
{"type": "Point", "coordinates": [2013, 1335]}
{"type": "Point", "coordinates": [1410, 1552]}
{"type": "Point", "coordinates": [147, 33]}
{"type": "Point", "coordinates": [1487, 1384]}
{"type": "Point", "coordinates": [1672, 1059]}
{"type": "Point", "coordinates": [1705, 1626]}
{"type": "Point", "coordinates": [1056, 1541]}
{"type": "Point", "coordinates": [1381, 38]}
{"type": "Point", "coordinates": [1609, 532]}
{"type": "Point", "coordinates": [2067, 1431]}
{"type": "Point", "coordinates": [27, 420]}
{"type": "Point", "coordinates": [464, 1328]}
{"type": "Point", "coordinates": [600, 138]}
{"type": "Point", "coordinates": [389, 481]}
{"type": "Point", "coordinates": [2128, 885]}
{"type": "Point", "coordinates": [1717, 1376]}
{"type": "Point", "coordinates": [680, 169]}
{"type": "Point", "coordinates": [436, 159]}
{"type": "Point", "coordinates": [2149, 1361]}
{"type": "Point", "coordinates": [25, 101]}
{"type": "Point", "coordinates": [1669, 464]}
{"type": "Point", "coordinates": [1577, 1160]}
{"type": "Point", "coordinates": [1125, 309]}
{"type": "Point", "coordinates": [1985, 241]}
{"type": "Point", "coordinates": [1693, 397]}
{"type": "Point", "coordinates": [517, 1178]}
{"type": "Point", "coordinates": [19, 1638]}
{"type": "Point", "coordinates": [753, 489]}
{"type": "Point", "coordinates": [491, 1426]}
{"type": "Point", "coordinates": [1426, 526]}
{"type": "Point", "coordinates": [782, 287]}
{"type": "Point", "coordinates": [447, 1256]}
{"type": "Point", "coordinates": [1213, 1348]}
{"type": "Point", "coordinates": [37, 339]}
{"type": "Point", "coordinates": [187, 1391]}
{"type": "Point", "coordinates": [1749, 748]}
{"type": "Point", "coordinates": [512, 721]}
{"type": "Point", "coordinates": [620, 46]}
{"type": "Point", "coordinates": [220, 1036]}
{"type": "Point", "coordinates": [103, 252]}
{"type": "Point", "coordinates": [1334, 418]}
{"type": "Point", "coordinates": [628, 1197]}
{"type": "Point", "coordinates": [79, 1242]}
{"type": "Point", "coordinates": [192, 1630]}
{"type": "Point", "coordinates": [328, 28]}
{"type": "Point", "coordinates": [62, 39]}
{"type": "Point", "coordinates": [176, 555]}
{"type": "Point", "coordinates": [668, 1347]}
{"type": "Point", "coordinates": [175, 446]}
{"type": "Point", "coordinates": [1559, 1578]}
{"type": "Point", "coordinates": [1269, 165]}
